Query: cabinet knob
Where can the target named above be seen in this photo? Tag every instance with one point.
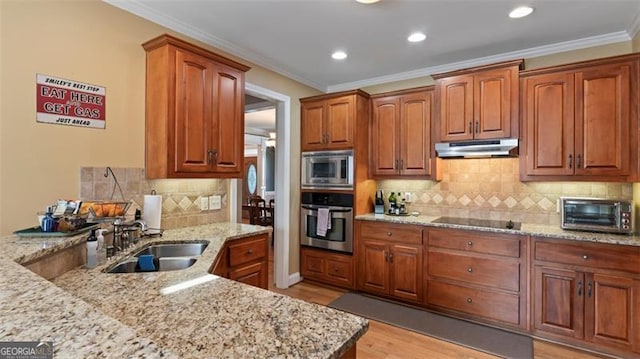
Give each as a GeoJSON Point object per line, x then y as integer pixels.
{"type": "Point", "coordinates": [469, 300]}
{"type": "Point", "coordinates": [389, 234]}
{"type": "Point", "coordinates": [250, 252]}
{"type": "Point", "coordinates": [469, 269]}
{"type": "Point", "coordinates": [585, 257]}
{"type": "Point", "coordinates": [470, 243]}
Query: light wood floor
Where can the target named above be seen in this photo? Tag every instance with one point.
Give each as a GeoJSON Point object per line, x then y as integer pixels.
{"type": "Point", "coordinates": [389, 342]}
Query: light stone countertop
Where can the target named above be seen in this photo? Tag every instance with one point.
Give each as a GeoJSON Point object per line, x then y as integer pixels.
{"type": "Point", "coordinates": [538, 230]}
{"type": "Point", "coordinates": [90, 313]}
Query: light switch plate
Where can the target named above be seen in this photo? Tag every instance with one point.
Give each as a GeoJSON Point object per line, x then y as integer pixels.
{"type": "Point", "coordinates": [215, 202]}
{"type": "Point", "coordinates": [204, 203]}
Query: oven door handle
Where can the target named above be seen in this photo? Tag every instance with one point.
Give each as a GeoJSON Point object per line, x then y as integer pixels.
{"type": "Point", "coordinates": [331, 209]}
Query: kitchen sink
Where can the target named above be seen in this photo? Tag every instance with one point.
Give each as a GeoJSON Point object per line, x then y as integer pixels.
{"type": "Point", "coordinates": [162, 250]}
{"type": "Point", "coordinates": [166, 257]}
{"type": "Point", "coordinates": [163, 264]}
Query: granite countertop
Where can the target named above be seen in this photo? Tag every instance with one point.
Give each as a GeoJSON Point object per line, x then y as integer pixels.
{"type": "Point", "coordinates": [88, 312]}
{"type": "Point", "coordinates": [538, 230]}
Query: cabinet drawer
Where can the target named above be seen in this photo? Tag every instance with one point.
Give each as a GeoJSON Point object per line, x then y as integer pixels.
{"type": "Point", "coordinates": [393, 232]}
{"type": "Point", "coordinates": [327, 267]}
{"type": "Point", "coordinates": [500, 244]}
{"type": "Point", "coordinates": [247, 251]}
{"type": "Point", "coordinates": [623, 258]}
{"type": "Point", "coordinates": [482, 303]}
{"type": "Point", "coordinates": [480, 271]}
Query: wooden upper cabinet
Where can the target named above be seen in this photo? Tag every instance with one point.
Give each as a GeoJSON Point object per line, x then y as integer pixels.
{"type": "Point", "coordinates": [548, 112]}
{"type": "Point", "coordinates": [329, 121]}
{"type": "Point", "coordinates": [194, 111]}
{"type": "Point", "coordinates": [400, 131]}
{"type": "Point", "coordinates": [456, 108]}
{"type": "Point", "coordinates": [312, 125]}
{"type": "Point", "coordinates": [478, 103]}
{"type": "Point", "coordinates": [577, 121]}
{"type": "Point", "coordinates": [602, 120]}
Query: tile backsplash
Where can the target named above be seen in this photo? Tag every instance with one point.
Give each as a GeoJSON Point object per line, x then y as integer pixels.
{"type": "Point", "coordinates": [490, 189]}
{"type": "Point", "coordinates": [180, 197]}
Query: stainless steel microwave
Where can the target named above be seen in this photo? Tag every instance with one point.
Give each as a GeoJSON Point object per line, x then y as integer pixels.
{"type": "Point", "coordinates": [327, 170]}
{"type": "Point", "coordinates": [597, 215]}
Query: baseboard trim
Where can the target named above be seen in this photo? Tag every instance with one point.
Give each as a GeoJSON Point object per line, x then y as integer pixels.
{"type": "Point", "coordinates": [295, 278]}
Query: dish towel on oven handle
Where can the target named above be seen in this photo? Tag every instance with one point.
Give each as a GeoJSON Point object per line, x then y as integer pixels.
{"type": "Point", "coordinates": [324, 222]}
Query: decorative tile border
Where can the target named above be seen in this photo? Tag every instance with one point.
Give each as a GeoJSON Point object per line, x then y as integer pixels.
{"type": "Point", "coordinates": [180, 198]}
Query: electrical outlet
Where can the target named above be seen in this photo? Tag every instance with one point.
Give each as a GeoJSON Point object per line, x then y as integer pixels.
{"type": "Point", "coordinates": [407, 197]}
{"type": "Point", "coordinates": [204, 203]}
{"type": "Point", "coordinates": [215, 202]}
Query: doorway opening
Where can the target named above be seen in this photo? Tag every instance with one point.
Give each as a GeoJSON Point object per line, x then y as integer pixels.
{"type": "Point", "coordinates": [281, 106]}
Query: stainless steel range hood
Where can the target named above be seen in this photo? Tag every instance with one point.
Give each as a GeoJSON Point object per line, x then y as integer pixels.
{"type": "Point", "coordinates": [507, 147]}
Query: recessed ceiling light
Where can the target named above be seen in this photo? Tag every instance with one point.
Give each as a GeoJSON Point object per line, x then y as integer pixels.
{"type": "Point", "coordinates": [367, 1]}
{"type": "Point", "coordinates": [521, 11]}
{"type": "Point", "coordinates": [339, 55]}
{"type": "Point", "coordinates": [416, 37]}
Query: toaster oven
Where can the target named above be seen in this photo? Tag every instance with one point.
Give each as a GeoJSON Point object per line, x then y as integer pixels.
{"type": "Point", "coordinates": [597, 215]}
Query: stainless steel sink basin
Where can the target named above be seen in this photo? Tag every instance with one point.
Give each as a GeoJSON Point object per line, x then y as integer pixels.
{"type": "Point", "coordinates": [166, 257]}
{"type": "Point", "coordinates": [162, 250]}
{"type": "Point", "coordinates": [163, 264]}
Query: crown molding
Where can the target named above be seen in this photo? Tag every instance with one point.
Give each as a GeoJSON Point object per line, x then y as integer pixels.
{"type": "Point", "coordinates": [526, 53]}
{"type": "Point", "coordinates": [137, 8]}
{"type": "Point", "coordinates": [634, 27]}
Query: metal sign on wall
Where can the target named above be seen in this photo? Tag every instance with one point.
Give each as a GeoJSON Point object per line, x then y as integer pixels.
{"type": "Point", "coordinates": [70, 103]}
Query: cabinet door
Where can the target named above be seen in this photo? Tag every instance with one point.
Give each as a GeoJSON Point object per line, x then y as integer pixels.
{"type": "Point", "coordinates": [548, 124]}
{"type": "Point", "coordinates": [406, 271]}
{"type": "Point", "coordinates": [559, 301]}
{"type": "Point", "coordinates": [602, 120]}
{"type": "Point", "coordinates": [384, 147]}
{"type": "Point", "coordinates": [456, 108]}
{"type": "Point", "coordinates": [255, 274]}
{"type": "Point", "coordinates": [340, 122]}
{"type": "Point", "coordinates": [610, 311]}
{"type": "Point", "coordinates": [193, 114]}
{"type": "Point", "coordinates": [313, 136]}
{"type": "Point", "coordinates": [415, 134]}
{"type": "Point", "coordinates": [493, 102]}
{"type": "Point", "coordinates": [373, 268]}
{"type": "Point", "coordinates": [227, 128]}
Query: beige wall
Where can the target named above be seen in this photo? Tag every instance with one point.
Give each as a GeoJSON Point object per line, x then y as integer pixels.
{"type": "Point", "coordinates": [87, 41]}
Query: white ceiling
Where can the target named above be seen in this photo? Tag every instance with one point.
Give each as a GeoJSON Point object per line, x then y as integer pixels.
{"type": "Point", "coordinates": [264, 120]}
{"type": "Point", "coordinates": [297, 37]}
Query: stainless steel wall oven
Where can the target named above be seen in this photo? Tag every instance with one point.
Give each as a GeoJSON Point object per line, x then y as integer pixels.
{"type": "Point", "coordinates": [339, 237]}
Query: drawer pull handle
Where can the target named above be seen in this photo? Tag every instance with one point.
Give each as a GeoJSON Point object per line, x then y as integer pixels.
{"type": "Point", "coordinates": [389, 234]}
{"type": "Point", "coordinates": [585, 257]}
{"type": "Point", "coordinates": [250, 252]}
{"type": "Point", "coordinates": [469, 300]}
{"type": "Point", "coordinates": [470, 243]}
{"type": "Point", "coordinates": [469, 269]}
{"type": "Point", "coordinates": [589, 290]}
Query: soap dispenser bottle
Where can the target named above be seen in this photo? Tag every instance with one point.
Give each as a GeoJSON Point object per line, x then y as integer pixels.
{"type": "Point", "coordinates": [92, 250]}
{"type": "Point", "coordinates": [102, 249]}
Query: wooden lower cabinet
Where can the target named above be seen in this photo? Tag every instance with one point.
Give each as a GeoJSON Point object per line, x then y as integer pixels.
{"type": "Point", "coordinates": [389, 267]}
{"type": "Point", "coordinates": [477, 275]}
{"type": "Point", "coordinates": [586, 302]}
{"type": "Point", "coordinates": [245, 260]}
{"type": "Point", "coordinates": [327, 267]}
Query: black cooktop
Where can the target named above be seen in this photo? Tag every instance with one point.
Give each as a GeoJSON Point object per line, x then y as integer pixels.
{"type": "Point", "coordinates": [476, 222]}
